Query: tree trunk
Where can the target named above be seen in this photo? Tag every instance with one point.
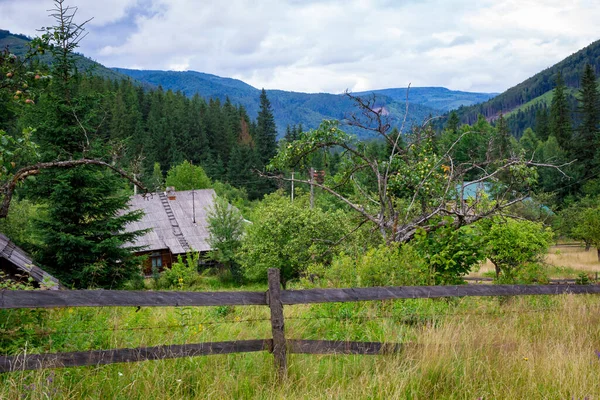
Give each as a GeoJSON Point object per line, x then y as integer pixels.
{"type": "Point", "coordinates": [587, 246]}
{"type": "Point", "coordinates": [598, 250]}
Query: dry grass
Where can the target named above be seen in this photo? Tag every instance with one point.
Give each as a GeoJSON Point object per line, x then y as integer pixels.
{"type": "Point", "coordinates": [565, 260]}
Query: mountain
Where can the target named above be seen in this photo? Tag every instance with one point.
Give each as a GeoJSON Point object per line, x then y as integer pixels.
{"type": "Point", "coordinates": [521, 102]}
{"type": "Point", "coordinates": [308, 109]}
{"type": "Point", "coordinates": [289, 108]}
{"type": "Point", "coordinates": [438, 98]}
{"type": "Point", "coordinates": [18, 44]}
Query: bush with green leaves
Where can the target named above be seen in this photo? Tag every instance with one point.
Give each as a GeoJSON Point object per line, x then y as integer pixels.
{"type": "Point", "coordinates": [511, 243]}
{"type": "Point", "coordinates": [187, 176]}
{"type": "Point", "coordinates": [183, 273]}
{"type": "Point", "coordinates": [289, 236]}
{"type": "Point", "coordinates": [588, 227]}
{"type": "Point", "coordinates": [384, 265]}
{"type": "Point", "coordinates": [450, 253]}
{"type": "Point", "coordinates": [226, 227]}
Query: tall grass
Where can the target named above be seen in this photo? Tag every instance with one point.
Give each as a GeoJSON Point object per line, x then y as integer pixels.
{"type": "Point", "coordinates": [529, 347]}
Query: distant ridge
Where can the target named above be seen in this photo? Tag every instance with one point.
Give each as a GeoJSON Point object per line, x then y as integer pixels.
{"type": "Point", "coordinates": [308, 109]}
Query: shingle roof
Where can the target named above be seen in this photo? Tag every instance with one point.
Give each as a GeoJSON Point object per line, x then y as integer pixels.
{"type": "Point", "coordinates": [24, 263]}
{"type": "Point", "coordinates": [164, 233]}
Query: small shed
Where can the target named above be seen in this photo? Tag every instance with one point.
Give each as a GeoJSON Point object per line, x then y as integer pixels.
{"type": "Point", "coordinates": [17, 264]}
{"type": "Point", "coordinates": [177, 222]}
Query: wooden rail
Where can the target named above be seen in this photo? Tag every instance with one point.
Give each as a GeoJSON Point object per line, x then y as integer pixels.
{"type": "Point", "coordinates": [275, 298]}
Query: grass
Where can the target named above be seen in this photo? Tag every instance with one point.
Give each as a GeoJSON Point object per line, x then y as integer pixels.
{"type": "Point", "coordinates": [528, 347]}
{"type": "Point", "coordinates": [563, 261]}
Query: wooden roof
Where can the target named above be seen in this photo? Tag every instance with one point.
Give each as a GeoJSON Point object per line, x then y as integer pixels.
{"type": "Point", "coordinates": [23, 262]}
{"type": "Point", "coordinates": [164, 233]}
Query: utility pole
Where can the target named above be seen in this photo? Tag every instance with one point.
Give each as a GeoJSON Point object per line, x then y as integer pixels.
{"type": "Point", "coordinates": [312, 187]}
{"type": "Point", "coordinates": [292, 186]}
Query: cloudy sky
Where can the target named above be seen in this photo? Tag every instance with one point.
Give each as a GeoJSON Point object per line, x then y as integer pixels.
{"type": "Point", "coordinates": [330, 45]}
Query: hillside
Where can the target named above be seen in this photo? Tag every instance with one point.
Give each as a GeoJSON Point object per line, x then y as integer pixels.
{"type": "Point", "coordinates": [438, 98]}
{"type": "Point", "coordinates": [289, 108]}
{"type": "Point", "coordinates": [521, 101]}
{"type": "Point", "coordinates": [17, 44]}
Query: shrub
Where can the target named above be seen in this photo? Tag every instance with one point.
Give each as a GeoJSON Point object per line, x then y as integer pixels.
{"type": "Point", "coordinates": [392, 265]}
{"type": "Point", "coordinates": [182, 273]}
{"type": "Point", "coordinates": [511, 244]}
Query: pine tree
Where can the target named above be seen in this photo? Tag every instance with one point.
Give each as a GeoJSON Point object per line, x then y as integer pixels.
{"type": "Point", "coordinates": [82, 239]}
{"type": "Point", "coordinates": [266, 131]}
{"type": "Point", "coordinates": [587, 142]}
{"type": "Point", "coordinates": [560, 121]}
{"type": "Point", "coordinates": [502, 138]}
{"type": "Point", "coordinates": [453, 122]}
{"type": "Point", "coordinates": [542, 125]}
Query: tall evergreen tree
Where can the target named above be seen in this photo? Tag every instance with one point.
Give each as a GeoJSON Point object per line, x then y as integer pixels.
{"type": "Point", "coordinates": [82, 233]}
{"type": "Point", "coordinates": [266, 131]}
{"type": "Point", "coordinates": [542, 125]}
{"type": "Point", "coordinates": [560, 121]}
{"type": "Point", "coordinates": [587, 140]}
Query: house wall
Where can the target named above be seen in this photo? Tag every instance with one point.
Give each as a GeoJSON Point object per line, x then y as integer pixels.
{"type": "Point", "coordinates": [165, 255]}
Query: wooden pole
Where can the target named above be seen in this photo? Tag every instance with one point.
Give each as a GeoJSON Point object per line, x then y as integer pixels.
{"type": "Point", "coordinates": [293, 186]}
{"type": "Point", "coordinates": [277, 322]}
{"type": "Point", "coordinates": [312, 188]}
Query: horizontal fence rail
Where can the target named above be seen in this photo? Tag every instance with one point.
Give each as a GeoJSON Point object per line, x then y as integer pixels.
{"type": "Point", "coordinates": [275, 298]}
{"type": "Point", "coordinates": [24, 362]}
{"type": "Point", "coordinates": [428, 292]}
{"type": "Point", "coordinates": [125, 298]}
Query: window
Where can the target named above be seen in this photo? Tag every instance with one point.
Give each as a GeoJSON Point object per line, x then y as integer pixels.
{"type": "Point", "coordinates": [156, 260]}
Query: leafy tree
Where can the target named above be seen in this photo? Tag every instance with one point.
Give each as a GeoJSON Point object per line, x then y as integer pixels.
{"type": "Point", "coordinates": [186, 176]}
{"type": "Point", "coordinates": [226, 227]}
{"type": "Point", "coordinates": [450, 253]}
{"type": "Point", "coordinates": [588, 227]}
{"type": "Point", "coordinates": [512, 243]}
{"type": "Point", "coordinates": [529, 142]}
{"type": "Point", "coordinates": [453, 122]}
{"type": "Point", "coordinates": [288, 236]}
{"type": "Point", "coordinates": [157, 182]}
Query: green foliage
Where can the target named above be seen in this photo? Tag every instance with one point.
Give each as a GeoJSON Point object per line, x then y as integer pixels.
{"type": "Point", "coordinates": [19, 225]}
{"type": "Point", "coordinates": [512, 243]}
{"type": "Point", "coordinates": [183, 273]}
{"type": "Point", "coordinates": [186, 176]}
{"type": "Point", "coordinates": [157, 182]}
{"type": "Point", "coordinates": [15, 152]}
{"type": "Point", "coordinates": [384, 265]}
{"type": "Point", "coordinates": [450, 253]}
{"type": "Point", "coordinates": [226, 227]}
{"type": "Point", "coordinates": [588, 227]}
{"type": "Point", "coordinates": [288, 236]}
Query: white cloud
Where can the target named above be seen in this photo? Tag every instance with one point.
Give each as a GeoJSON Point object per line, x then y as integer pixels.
{"type": "Point", "coordinates": [332, 45]}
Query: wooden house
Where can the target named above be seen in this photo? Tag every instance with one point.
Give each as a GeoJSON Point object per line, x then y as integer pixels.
{"type": "Point", "coordinates": [177, 223]}
{"type": "Point", "coordinates": [18, 266]}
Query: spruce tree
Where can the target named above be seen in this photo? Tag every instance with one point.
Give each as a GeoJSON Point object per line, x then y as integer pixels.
{"type": "Point", "coordinates": [587, 134]}
{"type": "Point", "coordinates": [560, 121]}
{"type": "Point", "coordinates": [266, 131]}
{"type": "Point", "coordinates": [81, 235]}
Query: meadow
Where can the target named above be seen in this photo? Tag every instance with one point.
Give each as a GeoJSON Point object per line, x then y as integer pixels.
{"type": "Point", "coordinates": [545, 347]}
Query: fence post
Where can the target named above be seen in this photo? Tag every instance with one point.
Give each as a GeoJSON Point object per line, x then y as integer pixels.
{"type": "Point", "coordinates": [277, 322]}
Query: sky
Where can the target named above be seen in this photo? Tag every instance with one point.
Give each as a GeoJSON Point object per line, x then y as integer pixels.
{"type": "Point", "coordinates": [330, 45]}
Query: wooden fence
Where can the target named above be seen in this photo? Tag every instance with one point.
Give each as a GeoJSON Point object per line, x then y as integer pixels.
{"type": "Point", "coordinates": [274, 297]}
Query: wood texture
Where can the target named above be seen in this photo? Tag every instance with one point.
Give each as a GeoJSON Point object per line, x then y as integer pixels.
{"type": "Point", "coordinates": [277, 322]}
{"type": "Point", "coordinates": [341, 347]}
{"type": "Point", "coordinates": [100, 357]}
{"type": "Point", "coordinates": [426, 292]}
{"type": "Point", "coordinates": [124, 298]}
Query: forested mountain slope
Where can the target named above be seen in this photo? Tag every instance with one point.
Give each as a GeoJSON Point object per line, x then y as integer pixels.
{"type": "Point", "coordinates": [438, 98]}
{"type": "Point", "coordinates": [522, 101]}
{"type": "Point", "coordinates": [17, 44]}
{"type": "Point", "coordinates": [289, 108]}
